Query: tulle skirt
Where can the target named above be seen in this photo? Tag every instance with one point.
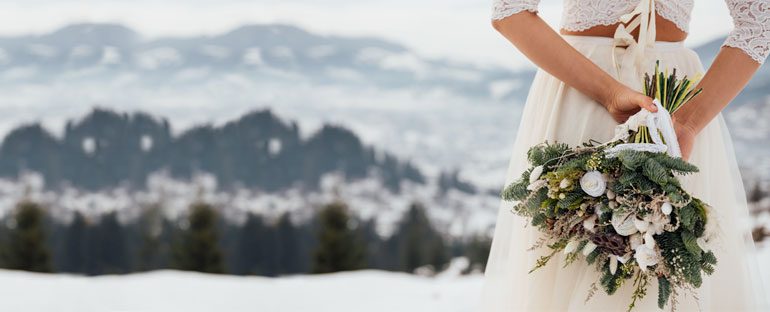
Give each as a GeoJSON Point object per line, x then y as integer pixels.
{"type": "Point", "coordinates": [557, 112]}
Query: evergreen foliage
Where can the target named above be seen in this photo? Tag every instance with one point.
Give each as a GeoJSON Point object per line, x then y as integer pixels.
{"type": "Point", "coordinates": [26, 248]}
{"type": "Point", "coordinates": [198, 245]}
{"type": "Point", "coordinates": [339, 247]}
{"type": "Point", "coordinates": [418, 242]}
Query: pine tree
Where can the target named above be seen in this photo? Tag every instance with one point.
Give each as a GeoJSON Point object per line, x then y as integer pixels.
{"type": "Point", "coordinates": [288, 246]}
{"type": "Point", "coordinates": [339, 248]}
{"type": "Point", "coordinates": [26, 247]}
{"type": "Point", "coordinates": [418, 243]}
{"type": "Point", "coordinates": [198, 248]}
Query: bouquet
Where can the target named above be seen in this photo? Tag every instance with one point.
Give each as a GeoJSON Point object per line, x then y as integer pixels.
{"type": "Point", "coordinates": [619, 206]}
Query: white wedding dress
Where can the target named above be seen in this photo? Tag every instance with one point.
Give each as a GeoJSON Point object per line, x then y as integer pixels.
{"type": "Point", "coordinates": [557, 112]}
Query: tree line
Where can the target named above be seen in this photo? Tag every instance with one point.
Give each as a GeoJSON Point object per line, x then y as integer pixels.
{"type": "Point", "coordinates": [202, 240]}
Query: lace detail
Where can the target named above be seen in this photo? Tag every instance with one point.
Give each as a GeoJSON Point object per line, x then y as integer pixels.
{"type": "Point", "coordinates": [751, 18]}
{"type": "Point", "coordinates": [579, 15]}
{"type": "Point", "coordinates": [752, 28]}
{"type": "Point", "coordinates": [504, 8]}
{"type": "Point", "coordinates": [678, 12]}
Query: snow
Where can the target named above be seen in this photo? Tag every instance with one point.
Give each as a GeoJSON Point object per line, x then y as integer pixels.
{"type": "Point", "coordinates": [368, 290]}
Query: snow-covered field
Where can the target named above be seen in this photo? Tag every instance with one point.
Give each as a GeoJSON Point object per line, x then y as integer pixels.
{"type": "Point", "coordinates": [167, 291]}
{"type": "Point", "coordinates": [370, 291]}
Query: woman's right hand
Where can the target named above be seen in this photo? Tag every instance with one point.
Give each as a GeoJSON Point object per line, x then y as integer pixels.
{"type": "Point", "coordinates": [623, 102]}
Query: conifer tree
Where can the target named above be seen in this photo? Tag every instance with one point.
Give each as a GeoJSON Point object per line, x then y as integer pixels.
{"type": "Point", "coordinates": [418, 243]}
{"type": "Point", "coordinates": [198, 247]}
{"type": "Point", "coordinates": [26, 247]}
{"type": "Point", "coordinates": [339, 248]}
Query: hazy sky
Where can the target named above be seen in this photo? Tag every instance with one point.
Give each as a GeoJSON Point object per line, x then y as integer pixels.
{"type": "Point", "coordinates": [456, 29]}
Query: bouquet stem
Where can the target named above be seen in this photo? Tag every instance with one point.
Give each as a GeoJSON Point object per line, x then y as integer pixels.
{"type": "Point", "coordinates": [672, 93]}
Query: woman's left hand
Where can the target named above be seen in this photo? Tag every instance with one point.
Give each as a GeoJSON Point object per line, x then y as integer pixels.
{"type": "Point", "coordinates": [686, 135]}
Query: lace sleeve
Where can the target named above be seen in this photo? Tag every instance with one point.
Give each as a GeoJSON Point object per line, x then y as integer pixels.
{"type": "Point", "coordinates": [504, 8]}
{"type": "Point", "coordinates": [752, 27]}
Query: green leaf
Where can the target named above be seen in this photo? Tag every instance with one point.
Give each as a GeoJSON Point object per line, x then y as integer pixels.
{"type": "Point", "coordinates": [515, 192]}
{"type": "Point", "coordinates": [675, 164]}
{"type": "Point", "coordinates": [656, 172]}
{"type": "Point", "coordinates": [632, 159]}
{"type": "Point", "coordinates": [664, 291]}
{"type": "Point", "coordinates": [571, 200]}
{"type": "Point", "coordinates": [691, 244]}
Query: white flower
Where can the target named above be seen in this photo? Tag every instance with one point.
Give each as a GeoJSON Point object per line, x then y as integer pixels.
{"type": "Point", "coordinates": [623, 259]}
{"type": "Point", "coordinates": [593, 183]}
{"type": "Point", "coordinates": [635, 240]}
{"type": "Point", "coordinates": [610, 194]}
{"type": "Point", "coordinates": [571, 247]}
{"type": "Point", "coordinates": [653, 222]}
{"type": "Point", "coordinates": [623, 223]}
{"type": "Point", "coordinates": [565, 183]}
{"type": "Point", "coordinates": [589, 248]}
{"type": "Point", "coordinates": [641, 225]}
{"type": "Point", "coordinates": [536, 185]}
{"type": "Point", "coordinates": [666, 208]}
{"type": "Point", "coordinates": [562, 196]}
{"type": "Point", "coordinates": [535, 174]}
{"type": "Point", "coordinates": [649, 241]}
{"type": "Point", "coordinates": [613, 264]}
{"type": "Point", "coordinates": [645, 257]}
{"type": "Point", "coordinates": [590, 223]}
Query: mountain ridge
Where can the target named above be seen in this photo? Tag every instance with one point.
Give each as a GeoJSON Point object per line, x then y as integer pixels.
{"type": "Point", "coordinates": [259, 150]}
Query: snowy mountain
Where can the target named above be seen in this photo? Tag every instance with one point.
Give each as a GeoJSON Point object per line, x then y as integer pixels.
{"type": "Point", "coordinates": [261, 52]}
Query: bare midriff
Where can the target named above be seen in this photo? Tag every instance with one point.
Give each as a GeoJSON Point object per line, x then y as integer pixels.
{"type": "Point", "coordinates": [665, 31]}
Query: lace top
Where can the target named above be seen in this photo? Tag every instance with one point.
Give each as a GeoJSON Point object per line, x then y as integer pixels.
{"type": "Point", "coordinates": [750, 17]}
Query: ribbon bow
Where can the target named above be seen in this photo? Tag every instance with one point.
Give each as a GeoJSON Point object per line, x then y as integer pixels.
{"type": "Point", "coordinates": [658, 122]}
{"type": "Point", "coordinates": [631, 63]}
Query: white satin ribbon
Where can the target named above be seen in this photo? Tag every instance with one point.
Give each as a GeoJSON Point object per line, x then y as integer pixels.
{"type": "Point", "coordinates": [629, 69]}
{"type": "Point", "coordinates": [659, 124]}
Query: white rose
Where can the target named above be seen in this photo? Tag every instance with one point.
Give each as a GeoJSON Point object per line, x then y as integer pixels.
{"type": "Point", "coordinates": [535, 174]}
{"type": "Point", "coordinates": [593, 183]}
{"type": "Point", "coordinates": [645, 257]}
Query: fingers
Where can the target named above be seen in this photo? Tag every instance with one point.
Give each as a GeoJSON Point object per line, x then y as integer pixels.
{"type": "Point", "coordinates": [646, 103]}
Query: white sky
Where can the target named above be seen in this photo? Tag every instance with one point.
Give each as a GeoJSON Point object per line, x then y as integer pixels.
{"type": "Point", "coordinates": [455, 29]}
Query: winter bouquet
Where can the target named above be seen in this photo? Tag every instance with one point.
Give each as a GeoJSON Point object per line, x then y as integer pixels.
{"type": "Point", "coordinates": [619, 205]}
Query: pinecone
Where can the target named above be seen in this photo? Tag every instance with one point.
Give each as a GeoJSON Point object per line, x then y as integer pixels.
{"type": "Point", "coordinates": [610, 242]}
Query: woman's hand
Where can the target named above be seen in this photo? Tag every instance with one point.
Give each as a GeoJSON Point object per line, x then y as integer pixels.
{"type": "Point", "coordinates": [623, 102]}
{"type": "Point", "coordinates": [686, 135]}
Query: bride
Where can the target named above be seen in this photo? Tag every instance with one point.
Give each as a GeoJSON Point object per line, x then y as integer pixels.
{"type": "Point", "coordinates": [588, 82]}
